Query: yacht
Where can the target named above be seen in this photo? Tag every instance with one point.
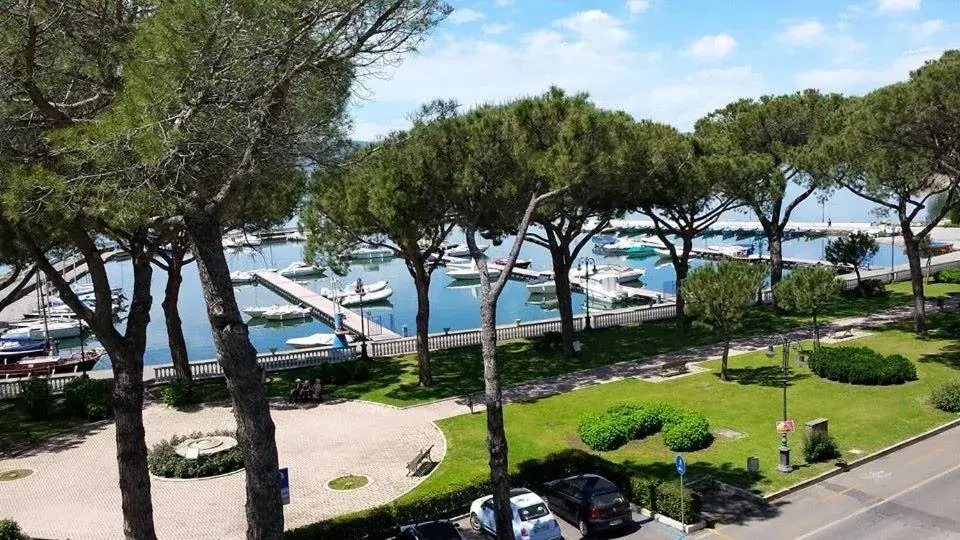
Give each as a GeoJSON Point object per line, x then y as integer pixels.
{"type": "Point", "coordinates": [470, 272]}
{"type": "Point", "coordinates": [370, 252]}
{"type": "Point", "coordinates": [351, 288]}
{"type": "Point", "coordinates": [461, 250]}
{"type": "Point", "coordinates": [300, 269]}
{"type": "Point", "coordinates": [354, 299]}
{"type": "Point", "coordinates": [542, 285]}
{"type": "Point", "coordinates": [622, 273]}
{"type": "Point", "coordinates": [287, 313]}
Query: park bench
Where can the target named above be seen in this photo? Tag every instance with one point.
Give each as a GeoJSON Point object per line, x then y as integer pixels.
{"type": "Point", "coordinates": [417, 462]}
{"type": "Point", "coordinates": [842, 331]}
{"type": "Point", "coordinates": [674, 367]}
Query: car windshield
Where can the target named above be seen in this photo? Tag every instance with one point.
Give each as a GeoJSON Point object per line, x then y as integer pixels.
{"type": "Point", "coordinates": [439, 531]}
{"type": "Point", "coordinates": [533, 512]}
{"type": "Point", "coordinates": [607, 500]}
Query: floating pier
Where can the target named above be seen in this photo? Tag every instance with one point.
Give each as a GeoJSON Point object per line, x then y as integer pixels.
{"type": "Point", "coordinates": [322, 308]}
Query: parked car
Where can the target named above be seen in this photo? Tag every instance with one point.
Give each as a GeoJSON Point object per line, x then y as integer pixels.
{"type": "Point", "coordinates": [430, 530]}
{"type": "Point", "coordinates": [590, 502]}
{"type": "Point", "coordinates": [532, 519]}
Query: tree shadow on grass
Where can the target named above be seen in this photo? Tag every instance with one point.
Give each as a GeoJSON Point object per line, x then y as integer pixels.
{"type": "Point", "coordinates": [764, 376]}
{"type": "Point", "coordinates": [61, 442]}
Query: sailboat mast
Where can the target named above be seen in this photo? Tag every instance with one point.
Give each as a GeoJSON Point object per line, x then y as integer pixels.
{"type": "Point", "coordinates": [43, 312]}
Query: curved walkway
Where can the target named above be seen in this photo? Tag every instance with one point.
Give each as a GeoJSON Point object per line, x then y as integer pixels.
{"type": "Point", "coordinates": [73, 491]}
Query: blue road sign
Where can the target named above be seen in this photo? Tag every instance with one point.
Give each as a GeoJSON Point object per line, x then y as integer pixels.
{"type": "Point", "coordinates": [681, 466]}
{"type": "Point", "coordinates": [285, 485]}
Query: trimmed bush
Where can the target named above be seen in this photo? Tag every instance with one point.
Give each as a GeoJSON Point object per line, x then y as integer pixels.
{"type": "Point", "coordinates": [164, 461]}
{"type": "Point", "coordinates": [872, 287]}
{"type": "Point", "coordinates": [683, 430]}
{"type": "Point", "coordinates": [819, 447]}
{"type": "Point", "coordinates": [946, 397]}
{"type": "Point", "coordinates": [860, 365]}
{"type": "Point", "coordinates": [178, 394]}
{"type": "Point", "coordinates": [36, 397]}
{"type": "Point", "coordinates": [947, 275]}
{"type": "Point", "coordinates": [664, 498]}
{"type": "Point", "coordinates": [10, 530]}
{"type": "Point", "coordinates": [89, 398]}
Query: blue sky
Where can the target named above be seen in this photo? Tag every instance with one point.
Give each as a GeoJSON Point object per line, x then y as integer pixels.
{"type": "Point", "coordinates": [669, 60]}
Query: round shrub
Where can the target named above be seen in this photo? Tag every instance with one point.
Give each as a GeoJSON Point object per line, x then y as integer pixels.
{"type": "Point", "coordinates": [89, 398]}
{"type": "Point", "coordinates": [10, 530]}
{"type": "Point", "coordinates": [860, 365]}
{"type": "Point", "coordinates": [178, 393]}
{"type": "Point", "coordinates": [36, 397]}
{"type": "Point", "coordinates": [688, 431]}
{"type": "Point", "coordinates": [947, 275]}
{"type": "Point", "coordinates": [819, 447]}
{"type": "Point", "coordinates": [947, 397]}
{"type": "Point", "coordinates": [164, 461]}
{"type": "Point", "coordinates": [602, 432]}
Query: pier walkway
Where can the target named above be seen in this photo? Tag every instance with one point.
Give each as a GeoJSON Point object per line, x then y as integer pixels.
{"type": "Point", "coordinates": [322, 307]}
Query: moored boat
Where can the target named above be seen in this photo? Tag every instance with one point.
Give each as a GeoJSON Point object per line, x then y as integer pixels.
{"type": "Point", "coordinates": [287, 313]}
{"type": "Point", "coordinates": [355, 299]}
{"type": "Point", "coordinates": [315, 340]}
{"type": "Point", "coordinates": [351, 288]}
{"type": "Point", "coordinates": [542, 285]}
{"type": "Point", "coordinates": [301, 269]}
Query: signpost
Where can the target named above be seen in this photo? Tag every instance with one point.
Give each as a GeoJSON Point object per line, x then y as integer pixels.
{"type": "Point", "coordinates": [681, 470]}
{"type": "Point", "coordinates": [285, 485]}
{"type": "Point", "coordinates": [785, 426]}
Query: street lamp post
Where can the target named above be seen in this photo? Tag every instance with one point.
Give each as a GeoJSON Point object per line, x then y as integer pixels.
{"type": "Point", "coordinates": [784, 465]}
{"type": "Point", "coordinates": [585, 262]}
{"type": "Point", "coordinates": [363, 322]}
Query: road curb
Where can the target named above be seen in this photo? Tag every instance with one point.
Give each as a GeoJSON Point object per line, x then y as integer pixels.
{"type": "Point", "coordinates": [862, 461]}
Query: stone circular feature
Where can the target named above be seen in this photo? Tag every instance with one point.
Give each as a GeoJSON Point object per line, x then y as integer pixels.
{"type": "Point", "coordinates": [14, 474]}
{"type": "Point", "coordinates": [205, 446]}
{"type": "Point", "coordinates": [348, 482]}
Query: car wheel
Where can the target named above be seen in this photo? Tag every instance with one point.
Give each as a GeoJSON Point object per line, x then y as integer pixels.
{"type": "Point", "coordinates": [584, 530]}
{"type": "Point", "coordinates": [475, 522]}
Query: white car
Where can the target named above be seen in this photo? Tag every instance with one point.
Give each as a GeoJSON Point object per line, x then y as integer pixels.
{"type": "Point", "coordinates": [532, 519]}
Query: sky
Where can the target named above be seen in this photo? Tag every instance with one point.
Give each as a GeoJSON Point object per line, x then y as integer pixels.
{"type": "Point", "coordinates": [667, 60]}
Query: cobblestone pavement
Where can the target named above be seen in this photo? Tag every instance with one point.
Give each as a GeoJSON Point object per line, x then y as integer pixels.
{"type": "Point", "coordinates": [74, 494]}
{"type": "Point", "coordinates": [73, 491]}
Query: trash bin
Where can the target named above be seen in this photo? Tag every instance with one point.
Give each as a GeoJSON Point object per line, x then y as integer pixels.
{"type": "Point", "coordinates": [753, 464]}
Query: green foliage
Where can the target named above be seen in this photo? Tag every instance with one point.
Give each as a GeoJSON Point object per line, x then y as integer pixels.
{"type": "Point", "coordinates": [664, 498]}
{"type": "Point", "coordinates": [178, 393]}
{"type": "Point", "coordinates": [853, 249]}
{"type": "Point", "coordinates": [808, 290]}
{"type": "Point", "coordinates": [89, 398]}
{"type": "Point", "coordinates": [717, 295]}
{"type": "Point", "coordinates": [10, 530]}
{"type": "Point", "coordinates": [36, 397]}
{"type": "Point", "coordinates": [819, 447]}
{"type": "Point", "coordinates": [683, 430]}
{"type": "Point", "coordinates": [947, 275]}
{"type": "Point", "coordinates": [164, 461]}
{"type": "Point", "coordinates": [871, 288]}
{"type": "Point", "coordinates": [946, 397]}
{"type": "Point", "coordinates": [860, 365]}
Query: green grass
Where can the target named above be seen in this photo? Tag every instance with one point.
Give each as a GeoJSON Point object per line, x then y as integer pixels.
{"type": "Point", "coordinates": [344, 483]}
{"type": "Point", "coordinates": [19, 430]}
{"type": "Point", "coordinates": [861, 417]}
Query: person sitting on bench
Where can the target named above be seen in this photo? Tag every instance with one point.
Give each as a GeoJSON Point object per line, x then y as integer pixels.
{"type": "Point", "coordinates": [316, 390]}
{"type": "Point", "coordinates": [297, 393]}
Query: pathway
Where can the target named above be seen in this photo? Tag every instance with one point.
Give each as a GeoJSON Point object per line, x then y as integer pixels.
{"type": "Point", "coordinates": [73, 491]}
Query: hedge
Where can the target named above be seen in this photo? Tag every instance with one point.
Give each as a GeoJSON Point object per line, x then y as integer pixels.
{"type": "Point", "coordinates": [383, 521]}
{"type": "Point", "coordinates": [946, 397]}
{"type": "Point", "coordinates": [860, 365]}
{"type": "Point", "coordinates": [164, 461]}
{"type": "Point", "coordinates": [947, 275]}
{"type": "Point", "coordinates": [10, 530]}
{"type": "Point", "coordinates": [89, 398]}
{"type": "Point", "coordinates": [683, 430]}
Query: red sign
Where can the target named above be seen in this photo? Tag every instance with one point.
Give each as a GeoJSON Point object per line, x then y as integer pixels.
{"type": "Point", "coordinates": [785, 426]}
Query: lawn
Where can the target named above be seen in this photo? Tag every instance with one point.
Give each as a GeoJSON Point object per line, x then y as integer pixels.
{"type": "Point", "coordinates": [17, 429]}
{"type": "Point", "coordinates": [459, 371]}
{"type": "Point", "coordinates": [862, 418]}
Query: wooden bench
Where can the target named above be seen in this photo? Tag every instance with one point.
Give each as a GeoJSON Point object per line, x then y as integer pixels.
{"type": "Point", "coordinates": [842, 331]}
{"type": "Point", "coordinates": [676, 367]}
{"type": "Point", "coordinates": [417, 462]}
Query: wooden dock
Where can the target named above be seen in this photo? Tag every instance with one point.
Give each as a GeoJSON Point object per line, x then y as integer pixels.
{"type": "Point", "coordinates": [322, 307]}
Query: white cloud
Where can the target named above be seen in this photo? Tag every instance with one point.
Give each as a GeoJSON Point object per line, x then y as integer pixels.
{"type": "Point", "coordinates": [595, 26]}
{"type": "Point", "coordinates": [683, 101]}
{"type": "Point", "coordinates": [803, 33]}
{"type": "Point", "coordinates": [713, 47]}
{"type": "Point", "coordinates": [861, 79]}
{"type": "Point", "coordinates": [926, 29]}
{"type": "Point", "coordinates": [637, 7]}
{"type": "Point", "coordinates": [464, 15]}
{"type": "Point", "coordinates": [890, 6]}
{"type": "Point", "coordinates": [495, 29]}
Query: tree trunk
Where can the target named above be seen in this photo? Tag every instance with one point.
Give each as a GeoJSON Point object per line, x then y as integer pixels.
{"type": "Point", "coordinates": [561, 276]}
{"type": "Point", "coordinates": [723, 360]}
{"type": "Point", "coordinates": [776, 262]}
{"type": "Point", "coordinates": [422, 281]}
{"type": "Point", "coordinates": [238, 358]}
{"type": "Point", "coordinates": [916, 280]}
{"type": "Point", "coordinates": [816, 333]}
{"type": "Point", "coordinates": [171, 315]}
{"type": "Point", "coordinates": [856, 270]}
{"type": "Point", "coordinates": [681, 266]}
{"type": "Point", "coordinates": [496, 435]}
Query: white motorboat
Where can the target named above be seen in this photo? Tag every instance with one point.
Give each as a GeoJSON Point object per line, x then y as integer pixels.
{"type": "Point", "coordinates": [296, 236]}
{"type": "Point", "coordinates": [623, 274]}
{"type": "Point", "coordinates": [351, 288]}
{"type": "Point", "coordinates": [301, 269]}
{"type": "Point", "coordinates": [625, 246]}
{"type": "Point", "coordinates": [652, 241]}
{"type": "Point", "coordinates": [542, 285]}
{"type": "Point", "coordinates": [355, 299]}
{"type": "Point", "coordinates": [239, 277]}
{"type": "Point", "coordinates": [54, 329]}
{"type": "Point", "coordinates": [241, 240]}
{"type": "Point", "coordinates": [462, 250]}
{"type": "Point", "coordinates": [730, 251]}
{"type": "Point", "coordinates": [316, 340]}
{"type": "Point", "coordinates": [606, 289]}
{"type": "Point", "coordinates": [257, 311]}
{"type": "Point", "coordinates": [470, 272]}
{"type": "Point", "coordinates": [371, 252]}
{"type": "Point", "coordinates": [287, 313]}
